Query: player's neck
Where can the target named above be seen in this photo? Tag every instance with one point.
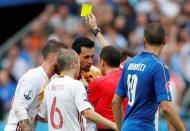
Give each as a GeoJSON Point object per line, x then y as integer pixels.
{"type": "Point", "coordinates": [110, 70]}
{"type": "Point", "coordinates": [153, 49]}
{"type": "Point", "coordinates": [48, 69]}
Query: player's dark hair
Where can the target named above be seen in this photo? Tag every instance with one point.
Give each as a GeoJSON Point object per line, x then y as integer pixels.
{"type": "Point", "coordinates": [52, 46]}
{"type": "Point", "coordinates": [66, 58]}
{"type": "Point", "coordinates": [82, 42]}
{"type": "Point", "coordinates": [111, 56]}
{"type": "Point", "coordinates": [154, 34]}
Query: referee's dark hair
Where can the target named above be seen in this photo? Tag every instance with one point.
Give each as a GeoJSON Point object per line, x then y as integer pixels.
{"type": "Point", "coordinates": [111, 56]}
{"type": "Point", "coordinates": [82, 42]}
{"type": "Point", "coordinates": [154, 34]}
{"type": "Point", "coordinates": [52, 46]}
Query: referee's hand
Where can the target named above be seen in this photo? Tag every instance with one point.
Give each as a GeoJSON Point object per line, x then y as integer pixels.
{"type": "Point", "coordinates": [91, 21]}
{"type": "Point", "coordinates": [115, 127]}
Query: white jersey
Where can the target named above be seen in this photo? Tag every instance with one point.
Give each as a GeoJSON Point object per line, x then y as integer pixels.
{"type": "Point", "coordinates": [28, 97]}
{"type": "Point", "coordinates": [64, 100]}
{"type": "Point", "coordinates": [94, 73]}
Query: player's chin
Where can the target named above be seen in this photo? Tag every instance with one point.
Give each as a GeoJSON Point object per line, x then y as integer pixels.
{"type": "Point", "coordinates": [57, 70]}
{"type": "Point", "coordinates": [87, 69]}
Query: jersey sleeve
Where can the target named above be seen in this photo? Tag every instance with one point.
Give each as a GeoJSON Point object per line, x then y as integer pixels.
{"type": "Point", "coordinates": [162, 83]}
{"type": "Point", "coordinates": [27, 90]}
{"type": "Point", "coordinates": [81, 99]}
{"type": "Point", "coordinates": [122, 88]}
{"type": "Point", "coordinates": [43, 107]}
{"type": "Point", "coordinates": [93, 92]}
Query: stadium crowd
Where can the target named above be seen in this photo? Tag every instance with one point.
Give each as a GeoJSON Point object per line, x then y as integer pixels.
{"type": "Point", "coordinates": [122, 23]}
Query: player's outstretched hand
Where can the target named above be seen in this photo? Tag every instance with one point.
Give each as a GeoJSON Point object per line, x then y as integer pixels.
{"type": "Point", "coordinates": [115, 127]}
{"type": "Point", "coordinates": [91, 21]}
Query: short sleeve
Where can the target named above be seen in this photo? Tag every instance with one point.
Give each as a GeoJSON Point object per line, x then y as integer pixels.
{"type": "Point", "coordinates": [122, 88]}
{"type": "Point", "coordinates": [81, 99]}
{"type": "Point", "coordinates": [27, 90]}
{"type": "Point", "coordinates": [93, 92]}
{"type": "Point", "coordinates": [162, 84]}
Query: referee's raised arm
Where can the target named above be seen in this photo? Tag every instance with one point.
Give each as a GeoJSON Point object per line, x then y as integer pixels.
{"type": "Point", "coordinates": [91, 21]}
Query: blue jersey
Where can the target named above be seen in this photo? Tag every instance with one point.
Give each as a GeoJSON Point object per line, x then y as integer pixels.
{"type": "Point", "coordinates": [145, 81]}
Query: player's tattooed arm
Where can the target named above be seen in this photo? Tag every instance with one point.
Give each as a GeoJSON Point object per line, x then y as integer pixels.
{"type": "Point", "coordinates": [98, 119]}
{"type": "Point", "coordinates": [25, 125]}
{"type": "Point", "coordinates": [117, 110]}
{"type": "Point", "coordinates": [41, 119]}
{"type": "Point", "coordinates": [172, 115]}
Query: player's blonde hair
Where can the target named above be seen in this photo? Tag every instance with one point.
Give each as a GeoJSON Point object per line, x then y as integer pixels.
{"type": "Point", "coordinates": [66, 58]}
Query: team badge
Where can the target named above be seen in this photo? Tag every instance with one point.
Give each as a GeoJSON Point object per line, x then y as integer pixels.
{"type": "Point", "coordinates": [168, 86]}
{"type": "Point", "coordinates": [28, 94]}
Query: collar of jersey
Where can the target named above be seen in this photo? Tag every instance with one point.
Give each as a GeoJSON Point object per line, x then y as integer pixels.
{"type": "Point", "coordinates": [47, 78]}
{"type": "Point", "coordinates": [149, 53]}
{"type": "Point", "coordinates": [64, 76]}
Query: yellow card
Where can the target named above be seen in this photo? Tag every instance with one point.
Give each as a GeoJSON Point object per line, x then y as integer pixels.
{"type": "Point", "coordinates": [86, 9]}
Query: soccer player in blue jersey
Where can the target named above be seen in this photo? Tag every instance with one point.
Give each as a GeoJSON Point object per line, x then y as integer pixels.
{"type": "Point", "coordinates": [145, 82]}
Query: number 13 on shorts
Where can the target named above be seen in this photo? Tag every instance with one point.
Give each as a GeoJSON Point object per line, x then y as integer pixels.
{"type": "Point", "coordinates": [132, 85]}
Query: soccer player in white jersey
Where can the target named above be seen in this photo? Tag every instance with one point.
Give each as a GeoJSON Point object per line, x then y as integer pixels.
{"type": "Point", "coordinates": [65, 98]}
{"type": "Point", "coordinates": [29, 91]}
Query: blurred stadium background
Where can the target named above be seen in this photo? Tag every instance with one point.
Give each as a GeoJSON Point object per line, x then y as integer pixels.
{"type": "Point", "coordinates": [26, 25]}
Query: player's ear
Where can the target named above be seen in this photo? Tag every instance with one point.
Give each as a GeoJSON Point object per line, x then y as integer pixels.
{"type": "Point", "coordinates": [165, 40]}
{"type": "Point", "coordinates": [74, 65]}
{"type": "Point", "coordinates": [145, 41]}
{"type": "Point", "coordinates": [101, 62]}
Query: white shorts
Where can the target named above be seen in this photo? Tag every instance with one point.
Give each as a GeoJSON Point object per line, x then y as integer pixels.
{"type": "Point", "coordinates": [11, 128]}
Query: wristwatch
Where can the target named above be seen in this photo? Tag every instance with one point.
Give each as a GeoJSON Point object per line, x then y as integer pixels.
{"type": "Point", "coordinates": [96, 31]}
